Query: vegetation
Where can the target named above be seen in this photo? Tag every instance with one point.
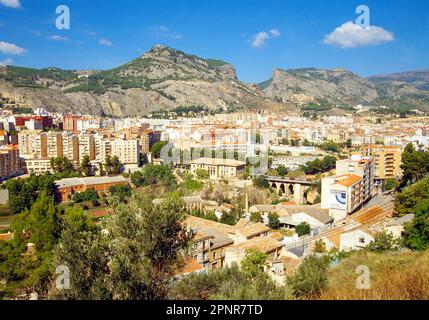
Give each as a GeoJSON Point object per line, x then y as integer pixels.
{"type": "Point", "coordinates": [256, 217]}
{"type": "Point", "coordinates": [248, 283]}
{"type": "Point", "coordinates": [383, 242]}
{"type": "Point", "coordinates": [310, 279]}
{"type": "Point", "coordinates": [158, 174]}
{"type": "Point", "coordinates": [138, 259]}
{"type": "Point", "coordinates": [273, 221]}
{"type": "Point", "coordinates": [24, 192]}
{"type": "Point", "coordinates": [389, 184]}
{"type": "Point", "coordinates": [113, 166]}
{"type": "Point", "coordinates": [87, 195]}
{"type": "Point", "coordinates": [261, 182]}
{"type": "Point", "coordinates": [320, 166]}
{"type": "Point", "coordinates": [121, 192]}
{"type": "Point", "coordinates": [415, 165]}
{"type": "Point", "coordinates": [303, 229]}
{"type": "Point", "coordinates": [157, 148]}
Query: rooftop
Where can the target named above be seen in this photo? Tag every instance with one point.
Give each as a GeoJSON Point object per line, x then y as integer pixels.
{"type": "Point", "coordinates": [219, 162]}
{"type": "Point", "coordinates": [89, 181]}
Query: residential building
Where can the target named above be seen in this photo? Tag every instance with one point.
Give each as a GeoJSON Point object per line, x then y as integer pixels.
{"type": "Point", "coordinates": [10, 163]}
{"type": "Point", "coordinates": [388, 160]}
{"type": "Point", "coordinates": [219, 168]}
{"type": "Point", "coordinates": [67, 187]}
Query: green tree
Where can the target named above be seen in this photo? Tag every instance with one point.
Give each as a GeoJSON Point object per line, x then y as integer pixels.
{"type": "Point", "coordinates": [229, 218]}
{"type": "Point", "coordinates": [310, 279]}
{"type": "Point", "coordinates": [384, 241]}
{"type": "Point", "coordinates": [415, 164]}
{"type": "Point", "coordinates": [137, 179]}
{"type": "Point", "coordinates": [254, 263]}
{"type": "Point", "coordinates": [85, 166]}
{"type": "Point", "coordinates": [157, 148]}
{"type": "Point", "coordinates": [389, 184]}
{"type": "Point", "coordinates": [319, 246]}
{"type": "Point", "coordinates": [202, 174]}
{"type": "Point", "coordinates": [416, 233]}
{"type": "Point", "coordinates": [256, 217]}
{"type": "Point", "coordinates": [303, 229]}
{"type": "Point", "coordinates": [282, 170]}
{"type": "Point", "coordinates": [261, 182]}
{"type": "Point", "coordinates": [136, 257]}
{"type": "Point", "coordinates": [273, 220]}
{"type": "Point", "coordinates": [121, 192]}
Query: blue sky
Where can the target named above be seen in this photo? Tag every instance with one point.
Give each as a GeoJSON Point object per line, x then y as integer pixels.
{"type": "Point", "coordinates": [255, 36]}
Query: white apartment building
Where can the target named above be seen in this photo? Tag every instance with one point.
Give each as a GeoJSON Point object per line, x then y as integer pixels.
{"type": "Point", "coordinates": [350, 189]}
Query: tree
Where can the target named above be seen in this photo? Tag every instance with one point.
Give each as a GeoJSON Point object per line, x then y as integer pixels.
{"type": "Point", "coordinates": [416, 233]}
{"type": "Point", "coordinates": [415, 164]}
{"type": "Point", "coordinates": [254, 263]}
{"type": "Point", "coordinates": [121, 192]}
{"type": "Point", "coordinates": [202, 174]}
{"type": "Point", "coordinates": [101, 169]}
{"type": "Point", "coordinates": [137, 178]}
{"type": "Point", "coordinates": [303, 229]}
{"type": "Point", "coordinates": [62, 165]}
{"type": "Point", "coordinates": [261, 182]}
{"type": "Point", "coordinates": [319, 246]}
{"type": "Point", "coordinates": [136, 257]}
{"type": "Point", "coordinates": [229, 218]}
{"type": "Point", "coordinates": [256, 217]}
{"type": "Point", "coordinates": [349, 143]}
{"type": "Point", "coordinates": [87, 195]}
{"type": "Point", "coordinates": [157, 148]}
{"type": "Point", "coordinates": [158, 174]}
{"type": "Point", "coordinates": [282, 170]}
{"type": "Point", "coordinates": [85, 166]}
{"type": "Point", "coordinates": [310, 279]}
{"type": "Point", "coordinates": [273, 220]}
{"type": "Point", "coordinates": [389, 184]}
{"type": "Point", "coordinates": [383, 241]}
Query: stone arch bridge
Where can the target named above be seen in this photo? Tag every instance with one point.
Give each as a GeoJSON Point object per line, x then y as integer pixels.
{"type": "Point", "coordinates": [290, 187]}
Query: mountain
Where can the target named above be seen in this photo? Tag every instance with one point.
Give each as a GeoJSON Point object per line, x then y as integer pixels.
{"type": "Point", "coordinates": [418, 79]}
{"type": "Point", "coordinates": [162, 79]}
{"type": "Point", "coordinates": [165, 79]}
{"type": "Point", "coordinates": [339, 87]}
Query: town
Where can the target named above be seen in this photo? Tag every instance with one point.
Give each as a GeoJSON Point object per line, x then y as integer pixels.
{"type": "Point", "coordinates": [282, 185]}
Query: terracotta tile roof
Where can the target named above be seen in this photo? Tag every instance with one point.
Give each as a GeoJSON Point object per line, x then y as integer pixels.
{"type": "Point", "coordinates": [348, 180]}
{"type": "Point", "coordinates": [252, 230]}
{"type": "Point", "coordinates": [264, 244]}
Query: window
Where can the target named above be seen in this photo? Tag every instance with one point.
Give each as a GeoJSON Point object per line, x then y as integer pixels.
{"type": "Point", "coordinates": [361, 240]}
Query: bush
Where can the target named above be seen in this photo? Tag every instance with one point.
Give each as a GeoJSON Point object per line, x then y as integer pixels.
{"type": "Point", "coordinates": [303, 229]}
{"type": "Point", "coordinates": [88, 195]}
{"type": "Point", "coordinates": [310, 279]}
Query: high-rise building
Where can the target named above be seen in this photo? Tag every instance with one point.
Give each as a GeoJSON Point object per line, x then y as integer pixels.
{"type": "Point", "coordinates": [387, 160]}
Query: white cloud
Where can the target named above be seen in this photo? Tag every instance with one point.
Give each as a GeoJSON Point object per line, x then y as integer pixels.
{"type": "Point", "coordinates": [259, 39]}
{"type": "Point", "coordinates": [262, 37]}
{"type": "Point", "coordinates": [275, 32]}
{"type": "Point", "coordinates": [105, 42]}
{"type": "Point", "coordinates": [11, 3]}
{"type": "Point", "coordinates": [351, 35]}
{"type": "Point", "coordinates": [6, 62]}
{"type": "Point", "coordinates": [10, 48]}
{"type": "Point", "coordinates": [164, 32]}
{"type": "Point", "coordinates": [58, 38]}
{"type": "Point", "coordinates": [91, 33]}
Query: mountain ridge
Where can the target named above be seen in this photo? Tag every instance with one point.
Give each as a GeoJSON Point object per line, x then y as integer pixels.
{"type": "Point", "coordinates": [164, 78]}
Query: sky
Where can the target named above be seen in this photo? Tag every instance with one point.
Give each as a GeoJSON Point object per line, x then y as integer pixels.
{"type": "Point", "coordinates": [255, 36]}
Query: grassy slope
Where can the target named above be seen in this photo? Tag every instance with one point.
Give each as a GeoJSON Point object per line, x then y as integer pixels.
{"type": "Point", "coordinates": [394, 276]}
